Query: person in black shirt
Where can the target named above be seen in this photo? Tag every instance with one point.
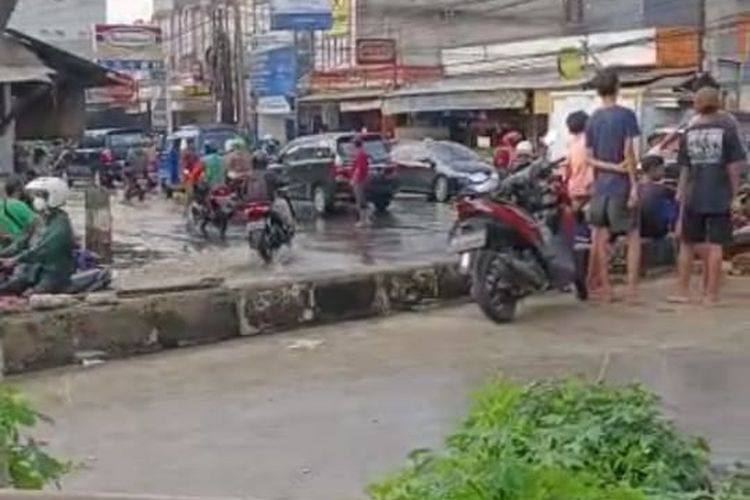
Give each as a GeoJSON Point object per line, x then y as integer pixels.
{"type": "Point", "coordinates": [711, 155]}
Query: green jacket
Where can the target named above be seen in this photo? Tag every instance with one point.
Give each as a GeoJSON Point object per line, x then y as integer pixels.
{"type": "Point", "coordinates": [15, 217]}
{"type": "Point", "coordinates": [213, 170]}
{"type": "Point", "coordinates": [48, 254]}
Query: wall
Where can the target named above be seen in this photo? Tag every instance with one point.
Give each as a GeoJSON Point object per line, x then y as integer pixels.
{"type": "Point", "coordinates": [63, 23]}
{"type": "Point", "coordinates": [422, 27]}
{"type": "Point", "coordinates": [61, 114]}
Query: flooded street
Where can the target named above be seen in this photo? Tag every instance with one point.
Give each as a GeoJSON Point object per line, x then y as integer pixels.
{"type": "Point", "coordinates": [319, 413]}
{"type": "Point", "coordinates": [154, 245]}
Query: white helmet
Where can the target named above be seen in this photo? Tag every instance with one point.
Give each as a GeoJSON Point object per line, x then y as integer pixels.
{"type": "Point", "coordinates": [55, 188]}
{"type": "Point", "coordinates": [525, 148]}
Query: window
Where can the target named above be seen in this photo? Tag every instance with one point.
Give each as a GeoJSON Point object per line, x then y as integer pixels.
{"type": "Point", "coordinates": [573, 11]}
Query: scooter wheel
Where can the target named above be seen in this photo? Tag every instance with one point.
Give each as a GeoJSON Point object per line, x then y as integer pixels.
{"type": "Point", "coordinates": [489, 290]}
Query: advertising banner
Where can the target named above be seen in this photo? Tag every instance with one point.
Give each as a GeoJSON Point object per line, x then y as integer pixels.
{"type": "Point", "coordinates": [340, 10]}
{"type": "Point", "coordinates": [128, 42]}
{"type": "Point", "coordinates": [301, 15]}
{"type": "Point", "coordinates": [273, 71]}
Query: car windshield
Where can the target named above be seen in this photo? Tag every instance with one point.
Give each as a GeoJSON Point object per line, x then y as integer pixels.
{"type": "Point", "coordinates": [91, 141]}
{"type": "Point", "coordinates": [451, 152]}
{"type": "Point", "coordinates": [127, 139]}
{"type": "Point", "coordinates": [218, 138]}
{"type": "Point", "coordinates": [374, 147]}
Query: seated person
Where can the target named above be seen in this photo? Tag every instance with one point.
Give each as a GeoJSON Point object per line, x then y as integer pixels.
{"type": "Point", "coordinates": [44, 261]}
{"type": "Point", "coordinates": [658, 204]}
{"type": "Point", "coordinates": [16, 217]}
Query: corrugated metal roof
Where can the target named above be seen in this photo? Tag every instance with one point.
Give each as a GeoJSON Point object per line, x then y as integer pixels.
{"type": "Point", "coordinates": [19, 64]}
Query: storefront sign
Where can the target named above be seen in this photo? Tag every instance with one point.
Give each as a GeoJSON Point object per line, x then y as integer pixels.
{"type": "Point", "coordinates": [301, 15]}
{"type": "Point", "coordinates": [273, 105]}
{"type": "Point", "coordinates": [373, 51]}
{"type": "Point", "coordinates": [126, 42]}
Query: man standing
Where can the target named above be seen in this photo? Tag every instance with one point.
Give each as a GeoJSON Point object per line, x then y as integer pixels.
{"type": "Point", "coordinates": [611, 134]}
{"type": "Point", "coordinates": [711, 154]}
{"type": "Point", "coordinates": [359, 180]}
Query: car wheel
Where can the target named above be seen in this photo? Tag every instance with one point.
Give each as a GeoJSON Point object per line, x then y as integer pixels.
{"type": "Point", "coordinates": [320, 200]}
{"type": "Point", "coordinates": [440, 190]}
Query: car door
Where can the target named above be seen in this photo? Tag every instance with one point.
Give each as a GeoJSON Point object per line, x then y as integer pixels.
{"type": "Point", "coordinates": [418, 169]}
{"type": "Point", "coordinates": [292, 169]}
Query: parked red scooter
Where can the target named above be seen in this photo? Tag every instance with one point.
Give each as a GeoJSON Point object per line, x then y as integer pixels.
{"type": "Point", "coordinates": [516, 237]}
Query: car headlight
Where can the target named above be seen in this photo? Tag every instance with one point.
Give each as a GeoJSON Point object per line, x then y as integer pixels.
{"type": "Point", "coordinates": [490, 183]}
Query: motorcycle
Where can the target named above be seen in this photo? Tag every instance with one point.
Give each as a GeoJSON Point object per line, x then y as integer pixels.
{"type": "Point", "coordinates": [215, 206]}
{"type": "Point", "coordinates": [516, 237]}
{"type": "Point", "coordinates": [270, 225]}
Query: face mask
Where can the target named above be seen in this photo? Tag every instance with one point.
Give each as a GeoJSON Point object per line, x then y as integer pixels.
{"type": "Point", "coordinates": [39, 204]}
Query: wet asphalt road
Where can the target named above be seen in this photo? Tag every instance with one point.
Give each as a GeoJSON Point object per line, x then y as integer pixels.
{"type": "Point", "coordinates": [319, 413]}
{"type": "Point", "coordinates": [152, 241]}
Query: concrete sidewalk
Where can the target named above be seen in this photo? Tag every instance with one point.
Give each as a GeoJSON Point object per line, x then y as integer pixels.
{"type": "Point", "coordinates": [319, 413]}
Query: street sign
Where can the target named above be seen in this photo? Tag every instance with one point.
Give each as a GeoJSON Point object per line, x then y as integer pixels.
{"type": "Point", "coordinates": [372, 51]}
{"type": "Point", "coordinates": [273, 71]}
{"type": "Point", "coordinates": [301, 15]}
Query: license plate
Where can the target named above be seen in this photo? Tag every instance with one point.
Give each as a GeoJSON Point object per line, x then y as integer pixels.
{"type": "Point", "coordinates": [466, 242]}
{"type": "Point", "coordinates": [255, 225]}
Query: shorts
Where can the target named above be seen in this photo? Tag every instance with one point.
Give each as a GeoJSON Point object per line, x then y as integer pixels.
{"type": "Point", "coordinates": [611, 211]}
{"type": "Point", "coordinates": [715, 229]}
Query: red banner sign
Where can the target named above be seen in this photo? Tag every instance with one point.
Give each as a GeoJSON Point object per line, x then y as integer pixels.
{"type": "Point", "coordinates": [376, 51]}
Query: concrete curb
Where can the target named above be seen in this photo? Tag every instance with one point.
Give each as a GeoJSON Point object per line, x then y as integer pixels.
{"type": "Point", "coordinates": [47, 339]}
{"type": "Point", "coordinates": [150, 323]}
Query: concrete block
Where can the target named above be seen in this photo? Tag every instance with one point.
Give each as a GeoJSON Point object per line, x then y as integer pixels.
{"type": "Point", "coordinates": [279, 307]}
{"type": "Point", "coordinates": [408, 289]}
{"type": "Point", "coordinates": [345, 298]}
{"type": "Point", "coordinates": [190, 318]}
{"type": "Point", "coordinates": [36, 341]}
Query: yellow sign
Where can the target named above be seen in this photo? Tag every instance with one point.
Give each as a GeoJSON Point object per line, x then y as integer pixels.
{"type": "Point", "coordinates": [340, 11]}
{"type": "Point", "coordinates": [570, 63]}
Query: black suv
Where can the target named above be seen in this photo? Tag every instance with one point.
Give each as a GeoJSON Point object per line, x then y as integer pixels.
{"type": "Point", "coordinates": [319, 168]}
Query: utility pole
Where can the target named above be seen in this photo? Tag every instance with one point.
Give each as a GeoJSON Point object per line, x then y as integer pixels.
{"type": "Point", "coordinates": [702, 35]}
{"type": "Point", "coordinates": [239, 64]}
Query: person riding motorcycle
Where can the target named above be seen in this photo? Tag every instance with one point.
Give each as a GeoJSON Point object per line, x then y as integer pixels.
{"type": "Point", "coordinates": [262, 186]}
{"type": "Point", "coordinates": [44, 261]}
{"type": "Point", "coordinates": [237, 165]}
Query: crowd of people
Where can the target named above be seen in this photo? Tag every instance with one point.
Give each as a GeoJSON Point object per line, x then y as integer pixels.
{"type": "Point", "coordinates": [621, 200]}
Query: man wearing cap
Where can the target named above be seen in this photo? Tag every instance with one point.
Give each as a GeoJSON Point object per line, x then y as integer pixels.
{"type": "Point", "coordinates": [711, 155]}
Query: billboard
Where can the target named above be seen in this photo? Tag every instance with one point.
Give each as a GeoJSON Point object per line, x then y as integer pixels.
{"type": "Point", "coordinates": [129, 47]}
{"type": "Point", "coordinates": [301, 15]}
{"type": "Point", "coordinates": [273, 71]}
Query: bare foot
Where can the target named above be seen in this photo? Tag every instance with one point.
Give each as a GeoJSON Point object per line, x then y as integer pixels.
{"type": "Point", "coordinates": [680, 299]}
{"type": "Point", "coordinates": [633, 298]}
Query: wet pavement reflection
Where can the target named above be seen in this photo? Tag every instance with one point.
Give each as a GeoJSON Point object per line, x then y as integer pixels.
{"type": "Point", "coordinates": [155, 231]}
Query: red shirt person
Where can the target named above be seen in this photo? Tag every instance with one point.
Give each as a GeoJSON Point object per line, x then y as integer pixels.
{"type": "Point", "coordinates": [360, 173]}
{"type": "Point", "coordinates": [505, 153]}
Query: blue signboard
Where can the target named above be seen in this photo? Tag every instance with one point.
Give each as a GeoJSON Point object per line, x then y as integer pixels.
{"type": "Point", "coordinates": [273, 71]}
{"type": "Point", "coordinates": [301, 15]}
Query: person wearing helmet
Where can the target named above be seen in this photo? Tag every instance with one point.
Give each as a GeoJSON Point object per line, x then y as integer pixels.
{"type": "Point", "coordinates": [237, 160]}
{"type": "Point", "coordinates": [213, 167]}
{"type": "Point", "coordinates": [44, 261]}
{"type": "Point", "coordinates": [505, 153]}
{"type": "Point", "coordinates": [16, 217]}
{"type": "Point", "coordinates": [524, 155]}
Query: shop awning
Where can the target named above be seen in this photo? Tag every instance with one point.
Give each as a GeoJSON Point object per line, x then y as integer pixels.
{"type": "Point", "coordinates": [470, 93]}
{"type": "Point", "coordinates": [19, 64]}
{"type": "Point", "coordinates": [349, 101]}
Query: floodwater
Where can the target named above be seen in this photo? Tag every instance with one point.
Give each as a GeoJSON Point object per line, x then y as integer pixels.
{"type": "Point", "coordinates": [152, 242]}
